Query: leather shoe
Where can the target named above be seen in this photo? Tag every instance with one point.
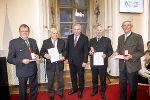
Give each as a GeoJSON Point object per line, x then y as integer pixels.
{"type": "Point", "coordinates": [61, 96]}
{"type": "Point", "coordinates": [51, 98]}
{"type": "Point", "coordinates": [103, 96]}
{"type": "Point", "coordinates": [93, 93]}
{"type": "Point", "coordinates": [72, 92]}
{"type": "Point", "coordinates": [80, 94]}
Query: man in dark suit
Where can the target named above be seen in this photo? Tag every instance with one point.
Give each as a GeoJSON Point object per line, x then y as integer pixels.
{"type": "Point", "coordinates": [77, 55]}
{"type": "Point", "coordinates": [54, 67]}
{"type": "Point", "coordinates": [100, 44]}
{"type": "Point", "coordinates": [131, 46]}
{"type": "Point", "coordinates": [20, 51]}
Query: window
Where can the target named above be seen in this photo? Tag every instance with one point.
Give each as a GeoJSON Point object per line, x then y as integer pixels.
{"type": "Point", "coordinates": [72, 12]}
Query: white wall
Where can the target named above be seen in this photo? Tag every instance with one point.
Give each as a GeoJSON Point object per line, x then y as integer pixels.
{"type": "Point", "coordinates": [2, 19]}
{"type": "Point", "coordinates": [21, 12]}
{"type": "Point", "coordinates": [140, 22]}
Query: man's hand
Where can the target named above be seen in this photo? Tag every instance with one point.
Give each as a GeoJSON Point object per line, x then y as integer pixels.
{"type": "Point", "coordinates": [115, 53]}
{"type": "Point", "coordinates": [127, 57]}
{"type": "Point", "coordinates": [47, 56]}
{"type": "Point", "coordinates": [25, 61]}
{"type": "Point", "coordinates": [104, 55]}
{"type": "Point", "coordinates": [62, 58]}
{"type": "Point", "coordinates": [66, 61]}
{"type": "Point", "coordinates": [36, 56]}
{"type": "Point", "coordinates": [83, 64]}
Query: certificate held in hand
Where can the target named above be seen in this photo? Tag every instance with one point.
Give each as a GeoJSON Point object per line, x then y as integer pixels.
{"type": "Point", "coordinates": [53, 52]}
{"type": "Point", "coordinates": [98, 60]}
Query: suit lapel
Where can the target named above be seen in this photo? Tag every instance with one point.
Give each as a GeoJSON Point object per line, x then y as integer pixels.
{"type": "Point", "coordinates": [72, 40]}
{"type": "Point", "coordinates": [50, 43]}
{"type": "Point", "coordinates": [127, 37]}
{"type": "Point", "coordinates": [58, 44]}
{"type": "Point", "coordinates": [23, 44]}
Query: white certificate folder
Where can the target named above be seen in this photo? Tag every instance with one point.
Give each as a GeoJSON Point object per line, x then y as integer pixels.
{"type": "Point", "coordinates": [53, 52]}
{"type": "Point", "coordinates": [98, 60]}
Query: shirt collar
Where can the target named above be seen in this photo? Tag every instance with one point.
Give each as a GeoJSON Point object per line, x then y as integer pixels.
{"type": "Point", "coordinates": [24, 39]}
{"type": "Point", "coordinates": [53, 40]}
{"type": "Point", "coordinates": [98, 37]}
{"type": "Point", "coordinates": [127, 34]}
{"type": "Point", "coordinates": [76, 36]}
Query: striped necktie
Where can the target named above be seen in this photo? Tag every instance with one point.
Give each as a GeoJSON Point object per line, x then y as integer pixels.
{"type": "Point", "coordinates": [28, 45]}
{"type": "Point", "coordinates": [75, 41]}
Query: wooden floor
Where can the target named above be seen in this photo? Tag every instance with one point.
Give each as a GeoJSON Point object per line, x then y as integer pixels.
{"type": "Point", "coordinates": [67, 82]}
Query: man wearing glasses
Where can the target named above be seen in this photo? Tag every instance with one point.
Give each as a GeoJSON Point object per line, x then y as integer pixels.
{"type": "Point", "coordinates": [23, 53]}
{"type": "Point", "coordinates": [130, 45]}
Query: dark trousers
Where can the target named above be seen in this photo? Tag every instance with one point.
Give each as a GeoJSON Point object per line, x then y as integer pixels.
{"type": "Point", "coordinates": [23, 87]}
{"type": "Point", "coordinates": [74, 70]}
{"type": "Point", "coordinates": [59, 78]}
{"type": "Point", "coordinates": [132, 81]}
{"type": "Point", "coordinates": [99, 70]}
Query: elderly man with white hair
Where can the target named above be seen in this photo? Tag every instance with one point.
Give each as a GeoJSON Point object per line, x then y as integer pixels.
{"type": "Point", "coordinates": [99, 44]}
{"type": "Point", "coordinates": [56, 67]}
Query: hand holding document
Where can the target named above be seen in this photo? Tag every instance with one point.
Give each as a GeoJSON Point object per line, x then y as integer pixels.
{"type": "Point", "coordinates": [53, 52]}
{"type": "Point", "coordinates": [61, 57]}
{"type": "Point", "coordinates": [98, 60]}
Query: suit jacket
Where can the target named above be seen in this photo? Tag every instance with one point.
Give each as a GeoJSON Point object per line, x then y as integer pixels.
{"type": "Point", "coordinates": [103, 45]}
{"type": "Point", "coordinates": [135, 47]}
{"type": "Point", "coordinates": [47, 44]}
{"type": "Point", "coordinates": [79, 53]}
{"type": "Point", "coordinates": [18, 51]}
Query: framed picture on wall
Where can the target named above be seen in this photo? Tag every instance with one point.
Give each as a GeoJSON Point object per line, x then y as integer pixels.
{"type": "Point", "coordinates": [131, 6]}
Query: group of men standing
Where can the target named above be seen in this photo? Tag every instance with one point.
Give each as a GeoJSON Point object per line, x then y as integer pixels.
{"type": "Point", "coordinates": [76, 55]}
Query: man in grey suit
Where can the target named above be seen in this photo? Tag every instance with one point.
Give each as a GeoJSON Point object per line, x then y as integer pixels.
{"type": "Point", "coordinates": [21, 51]}
{"type": "Point", "coordinates": [131, 46]}
{"type": "Point", "coordinates": [54, 67]}
{"type": "Point", "coordinates": [100, 44]}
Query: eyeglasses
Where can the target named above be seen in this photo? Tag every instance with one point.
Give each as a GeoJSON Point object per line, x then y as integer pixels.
{"type": "Point", "coordinates": [24, 31]}
{"type": "Point", "coordinates": [126, 25]}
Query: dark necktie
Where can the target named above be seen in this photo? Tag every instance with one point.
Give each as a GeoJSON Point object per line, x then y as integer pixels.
{"type": "Point", "coordinates": [96, 47]}
{"type": "Point", "coordinates": [75, 41]}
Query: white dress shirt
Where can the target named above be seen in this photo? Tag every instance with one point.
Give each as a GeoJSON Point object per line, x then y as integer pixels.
{"type": "Point", "coordinates": [55, 46]}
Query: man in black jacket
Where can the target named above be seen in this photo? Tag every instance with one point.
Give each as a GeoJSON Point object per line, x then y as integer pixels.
{"type": "Point", "coordinates": [77, 55]}
{"type": "Point", "coordinates": [100, 44]}
{"type": "Point", "coordinates": [54, 67]}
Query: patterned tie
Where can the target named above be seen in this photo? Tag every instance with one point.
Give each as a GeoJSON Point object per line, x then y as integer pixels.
{"type": "Point", "coordinates": [28, 45]}
{"type": "Point", "coordinates": [75, 41]}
